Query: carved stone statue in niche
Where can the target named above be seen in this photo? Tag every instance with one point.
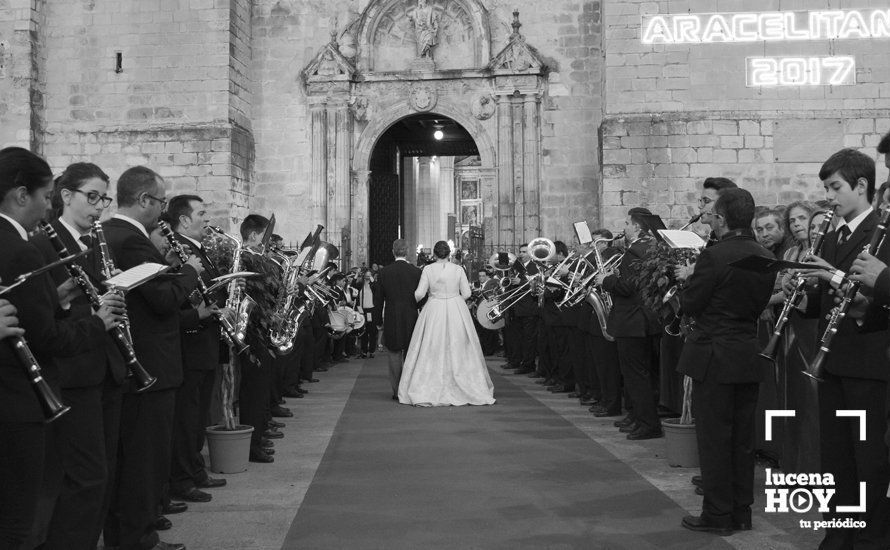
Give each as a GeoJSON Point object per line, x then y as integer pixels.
{"type": "Point", "coordinates": [426, 28]}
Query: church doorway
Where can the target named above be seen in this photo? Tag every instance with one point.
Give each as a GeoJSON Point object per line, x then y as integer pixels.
{"type": "Point", "coordinates": [421, 186]}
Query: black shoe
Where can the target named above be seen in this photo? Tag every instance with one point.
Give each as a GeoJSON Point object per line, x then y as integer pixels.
{"type": "Point", "coordinates": [266, 443]}
{"type": "Point", "coordinates": [699, 491]}
{"type": "Point", "coordinates": [281, 412]}
{"type": "Point", "coordinates": [623, 422]}
{"type": "Point", "coordinates": [603, 412]}
{"type": "Point", "coordinates": [275, 424]}
{"type": "Point", "coordinates": [259, 455]}
{"type": "Point", "coordinates": [362, 356]}
{"type": "Point", "coordinates": [524, 371]}
{"type": "Point", "coordinates": [321, 369]}
{"type": "Point", "coordinates": [645, 433]}
{"type": "Point", "coordinates": [273, 434]}
{"type": "Point", "coordinates": [696, 523]}
{"type": "Point", "coordinates": [370, 356]}
{"type": "Point", "coordinates": [395, 397]}
{"type": "Point", "coordinates": [559, 389]}
{"type": "Point", "coordinates": [629, 428]}
{"type": "Point", "coordinates": [194, 495]}
{"type": "Point", "coordinates": [293, 393]}
{"type": "Point", "coordinates": [161, 545]}
{"type": "Point", "coordinates": [161, 524]}
{"type": "Point", "coordinates": [174, 508]}
{"type": "Point", "coordinates": [575, 395]}
{"type": "Point", "coordinates": [211, 482]}
{"type": "Point", "coordinates": [696, 480]}
{"type": "Point", "coordinates": [310, 380]}
{"type": "Point", "coordinates": [741, 525]}
{"type": "Point", "coordinates": [536, 374]}
{"type": "Point", "coordinates": [510, 367]}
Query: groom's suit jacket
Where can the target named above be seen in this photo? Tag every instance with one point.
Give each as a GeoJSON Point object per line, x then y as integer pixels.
{"type": "Point", "coordinates": [395, 298]}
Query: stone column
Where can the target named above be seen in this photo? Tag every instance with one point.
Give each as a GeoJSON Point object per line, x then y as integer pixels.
{"type": "Point", "coordinates": [409, 221]}
{"type": "Point", "coordinates": [517, 103]}
{"type": "Point", "coordinates": [446, 195]}
{"type": "Point", "coordinates": [319, 172]}
{"type": "Point", "coordinates": [503, 209]}
{"type": "Point", "coordinates": [360, 216]}
{"type": "Point", "coordinates": [426, 204]}
{"type": "Point", "coordinates": [340, 124]}
{"type": "Point", "coordinates": [532, 167]}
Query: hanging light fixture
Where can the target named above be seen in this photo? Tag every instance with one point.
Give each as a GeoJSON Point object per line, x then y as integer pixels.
{"type": "Point", "coordinates": [438, 134]}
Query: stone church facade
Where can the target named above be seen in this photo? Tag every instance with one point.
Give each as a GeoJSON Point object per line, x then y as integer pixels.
{"type": "Point", "coordinates": [276, 105]}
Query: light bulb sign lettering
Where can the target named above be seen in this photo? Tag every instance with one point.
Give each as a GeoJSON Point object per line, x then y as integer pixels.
{"type": "Point", "coordinates": [792, 26]}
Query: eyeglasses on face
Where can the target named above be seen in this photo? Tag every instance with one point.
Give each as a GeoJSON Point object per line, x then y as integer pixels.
{"type": "Point", "coordinates": [94, 198]}
{"type": "Point", "coordinates": [154, 198]}
{"type": "Point", "coordinates": [704, 201]}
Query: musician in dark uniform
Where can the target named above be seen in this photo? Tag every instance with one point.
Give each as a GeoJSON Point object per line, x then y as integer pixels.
{"type": "Point", "coordinates": [857, 370]}
{"type": "Point", "coordinates": [604, 352]}
{"type": "Point", "coordinates": [637, 330]}
{"type": "Point", "coordinates": [720, 355]}
{"type": "Point", "coordinates": [85, 439]}
{"type": "Point", "coordinates": [201, 349]}
{"type": "Point", "coordinates": [560, 326]}
{"type": "Point", "coordinates": [527, 315]}
{"type": "Point", "coordinates": [154, 311]}
{"type": "Point", "coordinates": [25, 191]}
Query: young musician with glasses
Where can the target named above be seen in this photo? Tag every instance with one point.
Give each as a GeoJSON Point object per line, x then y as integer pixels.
{"type": "Point", "coordinates": [86, 438]}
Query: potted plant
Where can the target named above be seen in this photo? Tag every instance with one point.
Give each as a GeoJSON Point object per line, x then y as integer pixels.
{"type": "Point", "coordinates": [655, 279]}
{"type": "Point", "coordinates": [228, 442]}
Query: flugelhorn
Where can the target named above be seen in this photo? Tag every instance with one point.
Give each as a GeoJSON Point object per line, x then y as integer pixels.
{"type": "Point", "coordinates": [121, 339]}
{"type": "Point", "coordinates": [800, 283]}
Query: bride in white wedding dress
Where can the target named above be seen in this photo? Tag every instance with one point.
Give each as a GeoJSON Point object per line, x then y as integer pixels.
{"type": "Point", "coordinates": [444, 365]}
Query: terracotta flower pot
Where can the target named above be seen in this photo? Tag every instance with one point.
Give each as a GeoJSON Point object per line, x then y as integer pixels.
{"type": "Point", "coordinates": [229, 449]}
{"type": "Point", "coordinates": [681, 442]}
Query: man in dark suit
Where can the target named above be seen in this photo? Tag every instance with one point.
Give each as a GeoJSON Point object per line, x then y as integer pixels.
{"type": "Point", "coordinates": [856, 369]}
{"type": "Point", "coordinates": [636, 330]}
{"type": "Point", "coordinates": [25, 188]}
{"type": "Point", "coordinates": [527, 315]}
{"type": "Point", "coordinates": [395, 299]}
{"type": "Point", "coordinates": [153, 307]}
{"type": "Point", "coordinates": [200, 360]}
{"type": "Point", "coordinates": [83, 455]}
{"type": "Point", "coordinates": [720, 355]}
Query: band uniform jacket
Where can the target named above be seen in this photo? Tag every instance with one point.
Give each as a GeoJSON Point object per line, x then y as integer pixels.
{"type": "Point", "coordinates": [200, 337]}
{"type": "Point", "coordinates": [725, 303]}
{"type": "Point", "coordinates": [629, 318]}
{"type": "Point", "coordinates": [528, 306]}
{"type": "Point", "coordinates": [37, 303]}
{"type": "Point", "coordinates": [395, 299]}
{"type": "Point", "coordinates": [868, 348]}
{"type": "Point", "coordinates": [588, 321]}
{"type": "Point", "coordinates": [153, 307]}
{"type": "Point", "coordinates": [89, 368]}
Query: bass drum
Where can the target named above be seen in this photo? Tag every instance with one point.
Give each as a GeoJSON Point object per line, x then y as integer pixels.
{"type": "Point", "coordinates": [482, 315]}
{"type": "Point", "coordinates": [345, 320]}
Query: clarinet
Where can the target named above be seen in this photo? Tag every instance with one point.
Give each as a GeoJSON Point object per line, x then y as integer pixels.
{"type": "Point", "coordinates": [200, 294]}
{"type": "Point", "coordinates": [144, 380]}
{"type": "Point", "coordinates": [52, 406]}
{"type": "Point", "coordinates": [800, 283]}
{"type": "Point", "coordinates": [816, 369]}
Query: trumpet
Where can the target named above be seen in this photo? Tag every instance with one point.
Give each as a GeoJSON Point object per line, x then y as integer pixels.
{"type": "Point", "coordinates": [119, 334]}
{"type": "Point", "coordinates": [226, 328]}
{"type": "Point", "coordinates": [816, 369]}
{"type": "Point", "coordinates": [800, 283]}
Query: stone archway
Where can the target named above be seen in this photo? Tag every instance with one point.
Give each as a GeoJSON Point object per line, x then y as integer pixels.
{"type": "Point", "coordinates": [497, 100]}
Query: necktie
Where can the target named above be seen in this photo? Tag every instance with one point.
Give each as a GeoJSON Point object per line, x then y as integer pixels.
{"type": "Point", "coordinates": [843, 235]}
{"type": "Point", "coordinates": [86, 240]}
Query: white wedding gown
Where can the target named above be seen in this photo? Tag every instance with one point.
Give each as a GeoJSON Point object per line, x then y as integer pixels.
{"type": "Point", "coordinates": [444, 365]}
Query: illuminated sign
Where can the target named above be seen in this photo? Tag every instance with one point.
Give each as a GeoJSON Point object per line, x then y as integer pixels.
{"type": "Point", "coordinates": [801, 71]}
{"type": "Point", "coordinates": [704, 28]}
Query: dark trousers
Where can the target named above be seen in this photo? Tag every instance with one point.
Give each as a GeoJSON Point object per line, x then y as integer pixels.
{"type": "Point", "coordinates": [562, 356]}
{"type": "Point", "coordinates": [605, 361]}
{"type": "Point", "coordinates": [303, 359]}
{"type": "Point", "coordinates": [547, 346]}
{"type": "Point", "coordinates": [529, 340]}
{"type": "Point", "coordinates": [85, 448]}
{"type": "Point", "coordinates": [724, 425]}
{"type": "Point", "coordinates": [636, 357]}
{"type": "Point", "coordinates": [322, 349]}
{"type": "Point", "coordinates": [582, 361]}
{"type": "Point", "coordinates": [191, 417]}
{"type": "Point", "coordinates": [21, 473]}
{"type": "Point", "coordinates": [369, 336]}
{"type": "Point", "coordinates": [253, 397]}
{"type": "Point", "coordinates": [513, 340]}
{"type": "Point", "coordinates": [143, 468]}
{"type": "Point", "coordinates": [852, 461]}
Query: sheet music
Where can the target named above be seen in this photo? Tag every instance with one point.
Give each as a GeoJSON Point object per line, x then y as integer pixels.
{"type": "Point", "coordinates": [582, 230]}
{"type": "Point", "coordinates": [681, 239]}
{"type": "Point", "coordinates": [134, 277]}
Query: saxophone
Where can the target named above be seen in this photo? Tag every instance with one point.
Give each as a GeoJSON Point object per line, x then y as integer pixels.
{"type": "Point", "coordinates": [227, 330]}
{"type": "Point", "coordinates": [237, 300]}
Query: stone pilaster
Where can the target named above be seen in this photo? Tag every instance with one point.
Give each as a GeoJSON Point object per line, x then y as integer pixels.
{"type": "Point", "coordinates": [503, 210]}
{"type": "Point", "coordinates": [360, 216]}
{"type": "Point", "coordinates": [319, 172]}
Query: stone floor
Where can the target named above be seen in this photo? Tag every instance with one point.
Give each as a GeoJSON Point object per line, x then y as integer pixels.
{"type": "Point", "coordinates": [256, 509]}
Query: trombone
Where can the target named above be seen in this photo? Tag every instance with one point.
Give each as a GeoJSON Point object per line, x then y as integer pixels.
{"type": "Point", "coordinates": [542, 250]}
